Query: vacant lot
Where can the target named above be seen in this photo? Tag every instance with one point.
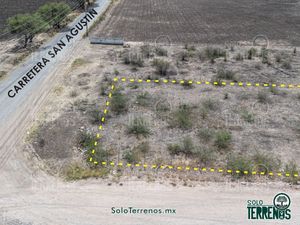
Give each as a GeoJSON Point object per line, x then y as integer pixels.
{"type": "Point", "coordinates": [204, 21]}
{"type": "Point", "coordinates": [230, 127]}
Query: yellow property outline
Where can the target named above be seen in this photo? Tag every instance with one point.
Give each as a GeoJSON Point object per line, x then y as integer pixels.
{"type": "Point", "coordinates": [185, 168]}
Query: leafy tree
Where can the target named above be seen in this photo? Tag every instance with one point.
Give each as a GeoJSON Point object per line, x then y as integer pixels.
{"type": "Point", "coordinates": [54, 13]}
{"type": "Point", "coordinates": [26, 24]}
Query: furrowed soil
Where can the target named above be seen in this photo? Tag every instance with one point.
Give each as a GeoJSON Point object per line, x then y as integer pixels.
{"type": "Point", "coordinates": [204, 21]}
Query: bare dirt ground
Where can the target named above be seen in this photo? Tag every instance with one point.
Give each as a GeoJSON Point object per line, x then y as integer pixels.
{"type": "Point", "coordinates": [204, 21]}
{"type": "Point", "coordinates": [30, 196]}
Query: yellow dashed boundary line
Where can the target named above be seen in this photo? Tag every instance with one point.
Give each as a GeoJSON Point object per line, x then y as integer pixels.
{"type": "Point", "coordinates": [200, 169]}
{"type": "Point", "coordinates": [223, 83]}
{"type": "Point", "coordinates": [184, 168]}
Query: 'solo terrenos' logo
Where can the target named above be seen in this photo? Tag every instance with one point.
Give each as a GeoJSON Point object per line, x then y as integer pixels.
{"type": "Point", "coordinates": [257, 210]}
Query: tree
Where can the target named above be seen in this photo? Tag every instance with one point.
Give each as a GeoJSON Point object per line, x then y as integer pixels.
{"type": "Point", "coordinates": [26, 24]}
{"type": "Point", "coordinates": [81, 3]}
{"type": "Point", "coordinates": [54, 13]}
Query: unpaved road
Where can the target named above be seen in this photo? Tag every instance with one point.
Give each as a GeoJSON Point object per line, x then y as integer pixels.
{"type": "Point", "coordinates": [90, 203]}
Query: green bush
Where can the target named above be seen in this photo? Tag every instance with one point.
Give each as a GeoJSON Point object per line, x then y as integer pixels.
{"type": "Point", "coordinates": [225, 74]}
{"type": "Point", "coordinates": [184, 56]}
{"type": "Point", "coordinates": [264, 54]}
{"type": "Point", "coordinates": [206, 134]}
{"type": "Point", "coordinates": [247, 116]}
{"type": "Point", "coordinates": [286, 64]}
{"type": "Point", "coordinates": [161, 51]}
{"type": "Point", "coordinates": [214, 53]}
{"type": "Point", "coordinates": [222, 139]}
{"type": "Point", "coordinates": [266, 162]}
{"type": "Point", "coordinates": [239, 162]}
{"type": "Point", "coordinates": [161, 66]}
{"type": "Point", "coordinates": [239, 57]}
{"type": "Point", "coordinates": [292, 169]}
{"type": "Point", "coordinates": [182, 117]}
{"type": "Point", "coordinates": [263, 97]}
{"type": "Point", "coordinates": [210, 104]}
{"type": "Point", "coordinates": [143, 147]}
{"type": "Point", "coordinates": [204, 155]}
{"type": "Point", "coordinates": [94, 115]}
{"type": "Point", "coordinates": [251, 53]}
{"type": "Point", "coordinates": [144, 99]}
{"type": "Point", "coordinates": [139, 127]}
{"type": "Point", "coordinates": [119, 103]}
{"type": "Point", "coordinates": [131, 157]}
{"type": "Point", "coordinates": [100, 155]}
{"type": "Point", "coordinates": [174, 149]}
{"type": "Point", "coordinates": [133, 59]}
{"type": "Point", "coordinates": [146, 50]}
{"type": "Point", "coordinates": [186, 147]}
{"type": "Point", "coordinates": [85, 140]}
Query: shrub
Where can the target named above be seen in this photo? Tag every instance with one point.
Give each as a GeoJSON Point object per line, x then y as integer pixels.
{"type": "Point", "coordinates": [241, 163]}
{"type": "Point", "coordinates": [264, 54]}
{"type": "Point", "coordinates": [203, 112]}
{"type": "Point", "coordinates": [206, 134]}
{"type": "Point", "coordinates": [292, 169]}
{"type": "Point", "coordinates": [222, 139]}
{"type": "Point", "coordinates": [225, 74]}
{"type": "Point", "coordinates": [143, 147]}
{"type": "Point", "coordinates": [85, 140]}
{"type": "Point", "coordinates": [286, 65]}
{"type": "Point", "coordinates": [262, 97]}
{"type": "Point", "coordinates": [73, 93]}
{"type": "Point", "coordinates": [119, 103]}
{"type": "Point", "coordinates": [131, 156]}
{"type": "Point", "coordinates": [278, 58]}
{"type": "Point", "coordinates": [210, 104]}
{"type": "Point", "coordinates": [76, 172]}
{"type": "Point", "coordinates": [138, 127]}
{"type": "Point", "coordinates": [78, 62]}
{"type": "Point", "coordinates": [214, 53]}
{"type": "Point", "coordinates": [161, 51]}
{"type": "Point", "coordinates": [100, 154]}
{"type": "Point", "coordinates": [144, 99]}
{"type": "Point", "coordinates": [161, 66]}
{"type": "Point", "coordinates": [94, 115]}
{"type": "Point", "coordinates": [258, 66]}
{"type": "Point", "coordinates": [251, 53]}
{"type": "Point", "coordinates": [266, 162]}
{"type": "Point", "coordinates": [182, 117]}
{"type": "Point", "coordinates": [184, 56]}
{"type": "Point", "coordinates": [186, 147]}
{"type": "Point", "coordinates": [247, 116]}
{"type": "Point", "coordinates": [239, 57]}
{"type": "Point", "coordinates": [133, 59]}
{"type": "Point", "coordinates": [204, 155]}
{"type": "Point", "coordinates": [174, 149]}
{"type": "Point", "coordinates": [146, 51]}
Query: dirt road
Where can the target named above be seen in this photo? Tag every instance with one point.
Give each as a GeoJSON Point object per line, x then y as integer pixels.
{"type": "Point", "coordinates": [90, 203]}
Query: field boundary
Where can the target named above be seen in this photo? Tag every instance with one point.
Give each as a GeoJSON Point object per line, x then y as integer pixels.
{"type": "Point", "coordinates": [112, 88]}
